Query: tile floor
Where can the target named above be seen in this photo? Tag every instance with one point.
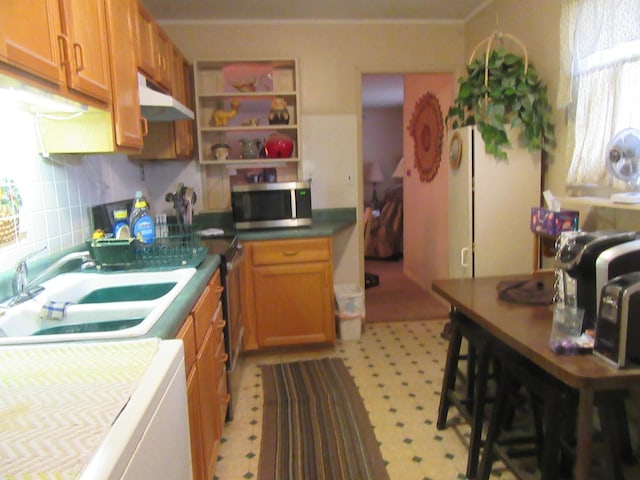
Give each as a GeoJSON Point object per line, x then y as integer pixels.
{"type": "Point", "coordinates": [398, 369]}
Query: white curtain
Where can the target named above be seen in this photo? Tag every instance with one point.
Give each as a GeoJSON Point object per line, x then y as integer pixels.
{"type": "Point", "coordinates": [600, 75]}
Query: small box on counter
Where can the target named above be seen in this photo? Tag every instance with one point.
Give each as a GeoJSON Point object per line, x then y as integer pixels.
{"type": "Point", "coordinates": [550, 223]}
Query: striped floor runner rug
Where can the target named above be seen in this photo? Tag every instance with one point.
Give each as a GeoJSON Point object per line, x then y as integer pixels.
{"type": "Point", "coordinates": [315, 426]}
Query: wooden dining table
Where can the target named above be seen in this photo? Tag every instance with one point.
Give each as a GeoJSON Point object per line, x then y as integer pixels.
{"type": "Point", "coordinates": [526, 329]}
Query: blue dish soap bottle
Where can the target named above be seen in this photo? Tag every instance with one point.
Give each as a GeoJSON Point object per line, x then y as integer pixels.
{"type": "Point", "coordinates": [141, 222]}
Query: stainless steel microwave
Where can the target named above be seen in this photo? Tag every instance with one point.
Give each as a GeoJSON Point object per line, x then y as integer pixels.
{"type": "Point", "coordinates": [271, 205]}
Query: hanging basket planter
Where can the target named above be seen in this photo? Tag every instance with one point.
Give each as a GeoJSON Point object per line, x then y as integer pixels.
{"type": "Point", "coordinates": [501, 89]}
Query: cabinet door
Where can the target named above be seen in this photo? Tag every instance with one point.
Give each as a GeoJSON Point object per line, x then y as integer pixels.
{"type": "Point", "coordinates": [181, 87]}
{"type": "Point", "coordinates": [29, 32]}
{"type": "Point", "coordinates": [293, 304]}
{"type": "Point", "coordinates": [146, 51]}
{"type": "Point", "coordinates": [87, 56]}
{"type": "Point", "coordinates": [195, 425]}
{"type": "Point", "coordinates": [121, 18]}
{"type": "Point", "coordinates": [209, 410]}
{"type": "Point", "coordinates": [164, 58]}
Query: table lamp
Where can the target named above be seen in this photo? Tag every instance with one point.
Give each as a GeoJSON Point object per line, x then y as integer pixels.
{"type": "Point", "coordinates": [374, 176]}
{"type": "Point", "coordinates": [399, 171]}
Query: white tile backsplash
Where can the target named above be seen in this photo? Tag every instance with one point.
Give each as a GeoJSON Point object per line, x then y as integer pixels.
{"type": "Point", "coordinates": [59, 191]}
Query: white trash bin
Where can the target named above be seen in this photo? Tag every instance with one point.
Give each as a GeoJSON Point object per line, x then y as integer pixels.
{"type": "Point", "coordinates": [350, 310]}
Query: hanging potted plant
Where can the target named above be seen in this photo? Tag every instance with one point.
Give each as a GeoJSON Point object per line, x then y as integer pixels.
{"type": "Point", "coordinates": [503, 89]}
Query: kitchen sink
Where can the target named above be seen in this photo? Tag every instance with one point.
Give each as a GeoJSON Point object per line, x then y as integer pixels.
{"type": "Point", "coordinates": [127, 293]}
{"type": "Point", "coordinates": [101, 305]}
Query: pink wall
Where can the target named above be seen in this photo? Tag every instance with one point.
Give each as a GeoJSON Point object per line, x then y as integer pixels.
{"type": "Point", "coordinates": [426, 248]}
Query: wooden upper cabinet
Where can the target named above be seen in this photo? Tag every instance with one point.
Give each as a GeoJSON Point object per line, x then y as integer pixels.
{"type": "Point", "coordinates": [181, 83]}
{"type": "Point", "coordinates": [154, 49]}
{"type": "Point", "coordinates": [146, 49]}
{"type": "Point", "coordinates": [164, 58]}
{"type": "Point", "coordinates": [84, 40]}
{"type": "Point", "coordinates": [29, 32]}
{"type": "Point", "coordinates": [122, 28]}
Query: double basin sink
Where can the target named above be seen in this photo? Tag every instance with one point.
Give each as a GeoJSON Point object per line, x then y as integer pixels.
{"type": "Point", "coordinates": [93, 305]}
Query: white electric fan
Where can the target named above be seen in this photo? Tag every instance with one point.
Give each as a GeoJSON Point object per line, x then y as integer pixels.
{"type": "Point", "coordinates": [623, 162]}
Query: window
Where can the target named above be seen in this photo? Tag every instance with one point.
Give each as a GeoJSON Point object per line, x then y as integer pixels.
{"type": "Point", "coordinates": [600, 80]}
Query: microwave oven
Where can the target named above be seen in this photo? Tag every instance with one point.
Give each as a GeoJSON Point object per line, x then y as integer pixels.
{"type": "Point", "coordinates": [271, 205]}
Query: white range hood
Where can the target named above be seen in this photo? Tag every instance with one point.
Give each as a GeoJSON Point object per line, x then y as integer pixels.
{"type": "Point", "coordinates": [157, 106]}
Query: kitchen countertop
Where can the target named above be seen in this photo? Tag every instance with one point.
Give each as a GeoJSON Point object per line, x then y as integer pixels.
{"type": "Point", "coordinates": [59, 401]}
{"type": "Point", "coordinates": [325, 224]}
{"type": "Point", "coordinates": [171, 320]}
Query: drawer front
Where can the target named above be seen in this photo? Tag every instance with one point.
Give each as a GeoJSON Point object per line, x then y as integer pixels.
{"type": "Point", "coordinates": [221, 358]}
{"type": "Point", "coordinates": [291, 251]}
{"type": "Point", "coordinates": [187, 334]}
{"type": "Point", "coordinates": [216, 286]}
{"type": "Point", "coordinates": [218, 321]}
{"type": "Point", "coordinates": [203, 314]}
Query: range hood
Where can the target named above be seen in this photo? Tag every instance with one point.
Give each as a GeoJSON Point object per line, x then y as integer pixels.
{"type": "Point", "coordinates": [157, 106]}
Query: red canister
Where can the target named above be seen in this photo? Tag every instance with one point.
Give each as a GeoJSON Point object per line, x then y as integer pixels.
{"type": "Point", "coordinates": [278, 145]}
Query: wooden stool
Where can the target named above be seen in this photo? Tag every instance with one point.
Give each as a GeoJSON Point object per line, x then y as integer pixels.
{"type": "Point", "coordinates": [471, 407]}
{"type": "Point", "coordinates": [558, 402]}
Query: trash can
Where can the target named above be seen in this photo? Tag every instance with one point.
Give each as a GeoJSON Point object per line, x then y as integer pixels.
{"type": "Point", "coordinates": [350, 310]}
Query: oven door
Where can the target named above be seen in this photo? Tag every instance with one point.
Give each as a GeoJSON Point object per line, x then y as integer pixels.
{"type": "Point", "coordinates": [234, 328]}
{"type": "Point", "coordinates": [234, 309]}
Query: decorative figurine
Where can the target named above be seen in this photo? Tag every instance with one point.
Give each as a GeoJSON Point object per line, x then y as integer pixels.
{"type": "Point", "coordinates": [278, 115]}
{"type": "Point", "coordinates": [250, 147]}
{"type": "Point", "coordinates": [220, 151]}
{"type": "Point", "coordinates": [221, 117]}
{"type": "Point", "coordinates": [251, 122]}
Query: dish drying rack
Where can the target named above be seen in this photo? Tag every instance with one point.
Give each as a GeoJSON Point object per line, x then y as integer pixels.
{"type": "Point", "coordinates": [178, 245]}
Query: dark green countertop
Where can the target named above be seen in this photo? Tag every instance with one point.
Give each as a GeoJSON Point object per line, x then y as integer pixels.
{"type": "Point", "coordinates": [324, 223]}
{"type": "Point", "coordinates": [171, 320]}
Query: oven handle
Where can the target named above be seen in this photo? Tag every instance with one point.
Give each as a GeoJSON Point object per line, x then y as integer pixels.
{"type": "Point", "coordinates": [237, 258]}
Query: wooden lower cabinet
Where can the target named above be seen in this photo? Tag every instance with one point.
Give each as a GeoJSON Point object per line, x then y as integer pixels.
{"type": "Point", "coordinates": [288, 292]}
{"type": "Point", "coordinates": [206, 378]}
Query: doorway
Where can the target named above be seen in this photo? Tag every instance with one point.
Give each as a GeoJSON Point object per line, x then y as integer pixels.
{"type": "Point", "coordinates": [388, 101]}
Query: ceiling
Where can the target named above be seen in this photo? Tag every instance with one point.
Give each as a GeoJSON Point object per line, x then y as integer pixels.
{"type": "Point", "coordinates": [349, 10]}
{"type": "Point", "coordinates": [377, 90]}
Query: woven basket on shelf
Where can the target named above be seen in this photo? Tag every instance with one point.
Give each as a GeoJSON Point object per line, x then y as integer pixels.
{"type": "Point", "coordinates": [9, 229]}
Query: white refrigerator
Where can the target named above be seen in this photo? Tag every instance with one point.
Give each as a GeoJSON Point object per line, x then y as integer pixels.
{"type": "Point", "coordinates": [490, 203]}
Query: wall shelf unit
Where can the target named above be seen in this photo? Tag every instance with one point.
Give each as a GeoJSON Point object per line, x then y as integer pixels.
{"type": "Point", "coordinates": [241, 91]}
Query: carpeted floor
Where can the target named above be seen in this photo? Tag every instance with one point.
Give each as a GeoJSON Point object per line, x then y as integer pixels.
{"type": "Point", "coordinates": [397, 298]}
{"type": "Point", "coordinates": [315, 425]}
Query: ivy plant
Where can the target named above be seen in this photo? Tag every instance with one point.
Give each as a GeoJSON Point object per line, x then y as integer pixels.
{"type": "Point", "coordinates": [512, 96]}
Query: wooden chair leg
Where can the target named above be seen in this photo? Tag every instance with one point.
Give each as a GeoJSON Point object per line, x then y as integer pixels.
{"type": "Point", "coordinates": [450, 373]}
{"type": "Point", "coordinates": [495, 422]}
{"type": "Point", "coordinates": [479, 401]}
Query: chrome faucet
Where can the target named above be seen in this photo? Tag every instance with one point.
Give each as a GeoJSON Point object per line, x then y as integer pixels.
{"type": "Point", "coordinates": [23, 289]}
{"type": "Point", "coordinates": [20, 282]}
